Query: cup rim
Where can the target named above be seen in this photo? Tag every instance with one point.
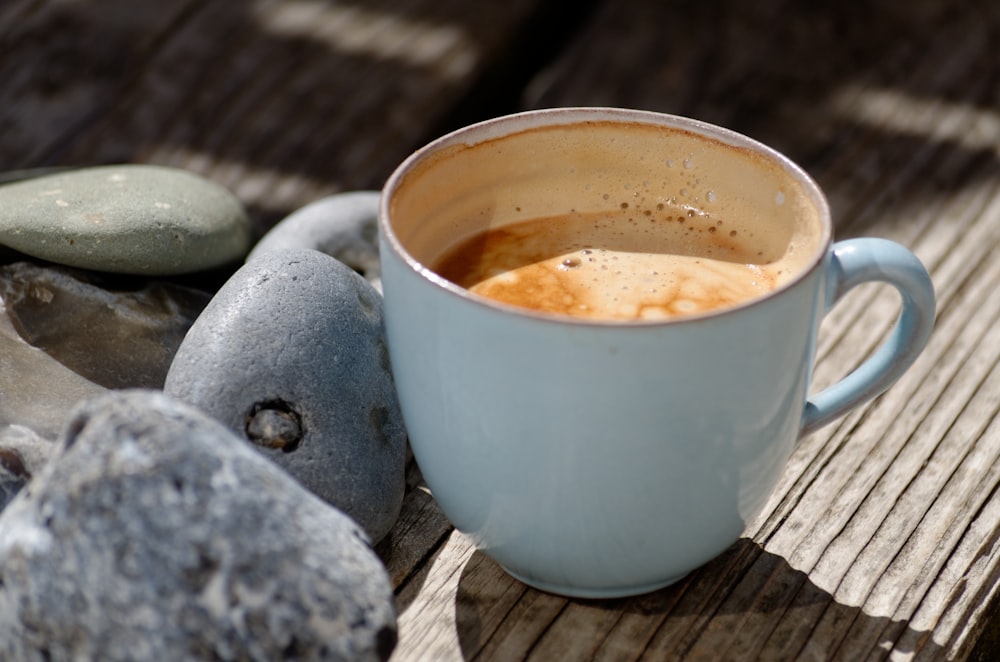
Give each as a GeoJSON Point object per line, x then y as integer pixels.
{"type": "Point", "coordinates": [503, 125]}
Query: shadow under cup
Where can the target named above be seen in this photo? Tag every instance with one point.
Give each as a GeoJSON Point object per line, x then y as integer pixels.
{"type": "Point", "coordinates": [588, 457]}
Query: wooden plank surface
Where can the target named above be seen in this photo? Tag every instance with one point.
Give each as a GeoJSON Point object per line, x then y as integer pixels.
{"type": "Point", "coordinates": [282, 101]}
{"type": "Point", "coordinates": [881, 541]}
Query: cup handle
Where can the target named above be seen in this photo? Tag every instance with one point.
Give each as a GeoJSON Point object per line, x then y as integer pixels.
{"type": "Point", "coordinates": [857, 261]}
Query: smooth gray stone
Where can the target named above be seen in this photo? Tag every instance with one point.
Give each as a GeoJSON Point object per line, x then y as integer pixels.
{"type": "Point", "coordinates": [36, 390]}
{"type": "Point", "coordinates": [66, 336]}
{"type": "Point", "coordinates": [156, 534]}
{"type": "Point", "coordinates": [291, 354]}
{"type": "Point", "coordinates": [344, 226]}
{"type": "Point", "coordinates": [136, 219]}
{"type": "Point", "coordinates": [116, 332]}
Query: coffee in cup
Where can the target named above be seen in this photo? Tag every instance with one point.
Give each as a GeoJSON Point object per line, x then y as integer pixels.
{"type": "Point", "coordinates": [584, 220]}
{"type": "Point", "coordinates": [633, 262]}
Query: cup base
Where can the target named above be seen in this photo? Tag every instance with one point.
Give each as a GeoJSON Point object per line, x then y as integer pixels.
{"type": "Point", "coordinates": [594, 593]}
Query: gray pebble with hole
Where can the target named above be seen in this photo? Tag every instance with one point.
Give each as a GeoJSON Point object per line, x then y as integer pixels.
{"type": "Point", "coordinates": [291, 354]}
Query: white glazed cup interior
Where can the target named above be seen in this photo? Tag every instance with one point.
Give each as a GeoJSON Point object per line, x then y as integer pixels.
{"type": "Point", "coordinates": [546, 163]}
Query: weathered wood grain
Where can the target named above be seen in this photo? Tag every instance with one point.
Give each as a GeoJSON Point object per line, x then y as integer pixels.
{"type": "Point", "coordinates": [881, 540]}
{"type": "Point", "coordinates": [281, 101]}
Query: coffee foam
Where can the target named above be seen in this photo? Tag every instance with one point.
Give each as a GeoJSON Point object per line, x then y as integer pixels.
{"type": "Point", "coordinates": [618, 266]}
{"type": "Point", "coordinates": [605, 167]}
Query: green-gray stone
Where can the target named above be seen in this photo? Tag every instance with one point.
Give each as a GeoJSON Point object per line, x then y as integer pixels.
{"type": "Point", "coordinates": [135, 219]}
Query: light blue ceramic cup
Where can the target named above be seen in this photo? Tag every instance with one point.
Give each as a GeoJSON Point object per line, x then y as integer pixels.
{"type": "Point", "coordinates": [600, 459]}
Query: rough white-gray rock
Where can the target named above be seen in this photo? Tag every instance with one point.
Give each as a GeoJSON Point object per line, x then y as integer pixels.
{"type": "Point", "coordinates": [291, 354]}
{"type": "Point", "coordinates": [136, 219]}
{"type": "Point", "coordinates": [157, 534]}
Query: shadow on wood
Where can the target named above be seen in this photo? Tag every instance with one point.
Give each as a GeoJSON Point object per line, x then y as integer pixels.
{"type": "Point", "coordinates": [747, 604]}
